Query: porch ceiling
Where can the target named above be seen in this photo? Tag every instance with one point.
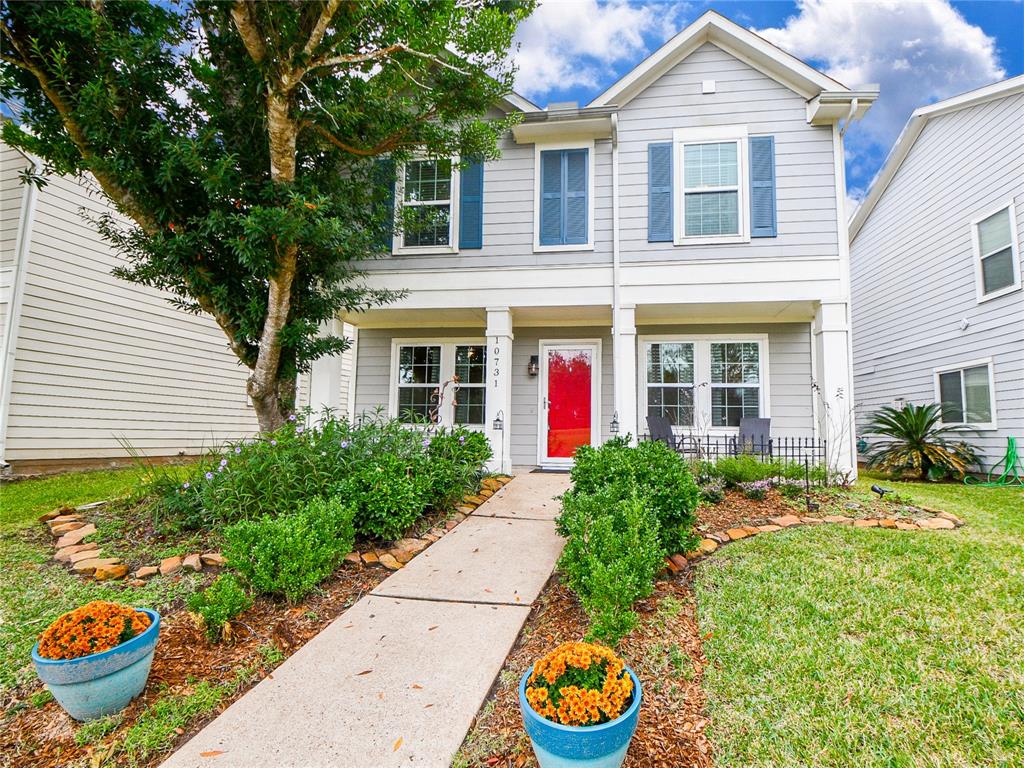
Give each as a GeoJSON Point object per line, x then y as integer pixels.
{"type": "Point", "coordinates": [476, 317]}
{"type": "Point", "coordinates": [761, 311]}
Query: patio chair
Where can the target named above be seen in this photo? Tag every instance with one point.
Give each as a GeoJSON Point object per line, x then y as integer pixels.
{"type": "Point", "coordinates": [660, 428]}
{"type": "Point", "coordinates": [755, 436]}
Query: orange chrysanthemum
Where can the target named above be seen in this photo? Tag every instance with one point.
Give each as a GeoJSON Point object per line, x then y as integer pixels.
{"type": "Point", "coordinates": [579, 684]}
{"type": "Point", "coordinates": [93, 628]}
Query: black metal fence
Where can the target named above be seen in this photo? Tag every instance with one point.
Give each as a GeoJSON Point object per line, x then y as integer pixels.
{"type": "Point", "coordinates": [801, 450]}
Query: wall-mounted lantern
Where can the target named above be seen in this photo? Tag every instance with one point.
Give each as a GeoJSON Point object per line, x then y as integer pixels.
{"type": "Point", "coordinates": [534, 366]}
{"type": "Point", "coordinates": [499, 422]}
{"type": "Point", "coordinates": [614, 426]}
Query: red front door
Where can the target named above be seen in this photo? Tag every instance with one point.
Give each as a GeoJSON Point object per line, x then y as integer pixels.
{"type": "Point", "coordinates": [569, 388]}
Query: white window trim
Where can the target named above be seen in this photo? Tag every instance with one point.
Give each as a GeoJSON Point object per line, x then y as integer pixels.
{"type": "Point", "coordinates": [398, 239]}
{"type": "Point", "coordinates": [986, 361]}
{"type": "Point", "coordinates": [702, 376]}
{"type": "Point", "coordinates": [707, 135]}
{"type": "Point", "coordinates": [539, 147]}
{"type": "Point", "coordinates": [979, 280]}
{"type": "Point", "coordinates": [448, 345]}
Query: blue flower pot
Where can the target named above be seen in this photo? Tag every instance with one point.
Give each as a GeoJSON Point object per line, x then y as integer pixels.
{"type": "Point", "coordinates": [571, 746]}
{"type": "Point", "coordinates": [102, 683]}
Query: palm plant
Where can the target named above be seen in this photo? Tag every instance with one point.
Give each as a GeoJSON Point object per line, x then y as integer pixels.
{"type": "Point", "coordinates": [914, 438]}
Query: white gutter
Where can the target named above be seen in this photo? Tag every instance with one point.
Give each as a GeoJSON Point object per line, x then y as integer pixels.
{"type": "Point", "coordinates": [10, 341]}
{"type": "Point", "coordinates": [616, 330]}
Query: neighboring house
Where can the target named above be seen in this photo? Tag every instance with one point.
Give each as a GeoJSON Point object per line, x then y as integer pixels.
{"type": "Point", "coordinates": [677, 247]}
{"type": "Point", "coordinates": [938, 311]}
{"type": "Point", "coordinates": [88, 359]}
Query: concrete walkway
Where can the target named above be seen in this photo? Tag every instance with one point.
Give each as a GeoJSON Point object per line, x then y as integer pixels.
{"type": "Point", "coordinates": [397, 679]}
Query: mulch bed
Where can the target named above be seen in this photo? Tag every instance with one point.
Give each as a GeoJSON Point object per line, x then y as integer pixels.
{"type": "Point", "coordinates": [45, 737]}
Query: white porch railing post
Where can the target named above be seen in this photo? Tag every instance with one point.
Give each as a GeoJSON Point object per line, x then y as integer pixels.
{"type": "Point", "coordinates": [625, 373]}
{"type": "Point", "coordinates": [499, 387]}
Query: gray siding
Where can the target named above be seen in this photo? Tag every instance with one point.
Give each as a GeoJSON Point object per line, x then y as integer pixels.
{"type": "Point", "coordinates": [913, 269]}
{"type": "Point", "coordinates": [805, 174]}
{"type": "Point", "coordinates": [11, 200]}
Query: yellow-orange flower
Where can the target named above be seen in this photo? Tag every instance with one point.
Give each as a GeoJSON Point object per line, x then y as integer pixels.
{"type": "Point", "coordinates": [93, 628]}
{"type": "Point", "coordinates": [560, 701]}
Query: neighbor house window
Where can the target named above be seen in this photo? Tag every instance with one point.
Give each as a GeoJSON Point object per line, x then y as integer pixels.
{"type": "Point", "coordinates": [995, 244]}
{"type": "Point", "coordinates": [711, 189]}
{"type": "Point", "coordinates": [966, 394]}
{"type": "Point", "coordinates": [419, 374]}
{"type": "Point", "coordinates": [670, 382]}
{"type": "Point", "coordinates": [705, 382]}
{"type": "Point", "coordinates": [427, 204]}
{"type": "Point", "coordinates": [735, 382]}
{"type": "Point", "coordinates": [426, 389]}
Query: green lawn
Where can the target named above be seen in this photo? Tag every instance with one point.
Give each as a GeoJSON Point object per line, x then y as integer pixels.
{"type": "Point", "coordinates": [833, 646]}
{"type": "Point", "coordinates": [33, 591]}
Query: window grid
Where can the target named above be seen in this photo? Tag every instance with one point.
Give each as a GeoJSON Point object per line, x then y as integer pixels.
{"type": "Point", "coordinates": [735, 382]}
{"type": "Point", "coordinates": [419, 374]}
{"type": "Point", "coordinates": [427, 194]}
{"type": "Point", "coordinates": [471, 370]}
{"type": "Point", "coordinates": [711, 189]}
{"type": "Point", "coordinates": [965, 395]}
{"type": "Point", "coordinates": [670, 374]}
{"type": "Point", "coordinates": [995, 251]}
{"type": "Point", "coordinates": [423, 368]}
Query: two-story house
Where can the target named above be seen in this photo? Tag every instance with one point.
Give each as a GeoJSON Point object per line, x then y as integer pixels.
{"type": "Point", "coordinates": [677, 247]}
{"type": "Point", "coordinates": [936, 269]}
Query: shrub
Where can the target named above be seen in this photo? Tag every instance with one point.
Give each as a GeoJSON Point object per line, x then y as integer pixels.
{"type": "Point", "coordinates": [651, 471]}
{"type": "Point", "coordinates": [712, 491]}
{"type": "Point", "coordinates": [387, 496]}
{"type": "Point", "coordinates": [290, 554]}
{"type": "Point", "coordinates": [220, 602]}
{"type": "Point", "coordinates": [914, 438]}
{"type": "Point", "coordinates": [736, 470]}
{"type": "Point", "coordinates": [756, 490]}
{"type": "Point", "coordinates": [611, 557]}
{"type": "Point", "coordinates": [791, 489]}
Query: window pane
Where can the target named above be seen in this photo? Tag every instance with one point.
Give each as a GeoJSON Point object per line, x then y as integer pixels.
{"type": "Point", "coordinates": [994, 232]}
{"type": "Point", "coordinates": [730, 404]}
{"type": "Point", "coordinates": [674, 403]}
{"type": "Point", "coordinates": [710, 165]}
{"type": "Point", "coordinates": [670, 363]}
{"type": "Point", "coordinates": [471, 363]}
{"type": "Point", "coordinates": [419, 365]}
{"type": "Point", "coordinates": [415, 403]}
{"type": "Point", "coordinates": [712, 213]}
{"type": "Point", "coordinates": [471, 405]}
{"type": "Point", "coordinates": [952, 402]}
{"type": "Point", "coordinates": [427, 225]}
{"type": "Point", "coordinates": [427, 180]}
{"type": "Point", "coordinates": [735, 363]}
{"type": "Point", "coordinates": [997, 271]}
{"type": "Point", "coordinates": [979, 403]}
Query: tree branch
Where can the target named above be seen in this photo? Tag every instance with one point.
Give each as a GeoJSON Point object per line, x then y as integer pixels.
{"type": "Point", "coordinates": [317, 35]}
{"type": "Point", "coordinates": [391, 142]}
{"type": "Point", "coordinates": [383, 53]}
{"type": "Point", "coordinates": [250, 33]}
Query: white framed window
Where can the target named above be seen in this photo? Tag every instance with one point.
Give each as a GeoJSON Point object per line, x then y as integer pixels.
{"type": "Point", "coordinates": [705, 382]}
{"type": "Point", "coordinates": [711, 182]}
{"type": "Point", "coordinates": [425, 370]}
{"type": "Point", "coordinates": [996, 253]}
{"type": "Point", "coordinates": [563, 196]}
{"type": "Point", "coordinates": [966, 394]}
{"type": "Point", "coordinates": [427, 193]}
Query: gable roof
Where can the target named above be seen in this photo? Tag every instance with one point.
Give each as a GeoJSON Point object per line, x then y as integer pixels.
{"type": "Point", "coordinates": [912, 130]}
{"type": "Point", "coordinates": [750, 48]}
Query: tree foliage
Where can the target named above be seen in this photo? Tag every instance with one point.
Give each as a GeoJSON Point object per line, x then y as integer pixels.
{"type": "Point", "coordinates": [238, 142]}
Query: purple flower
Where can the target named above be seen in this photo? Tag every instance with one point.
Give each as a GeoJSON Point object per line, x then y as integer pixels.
{"type": "Point", "coordinates": [299, 430]}
{"type": "Point", "coordinates": [223, 462]}
{"type": "Point", "coordinates": [426, 443]}
{"type": "Point", "coordinates": [292, 417]}
{"type": "Point", "coordinates": [273, 442]}
{"type": "Point", "coordinates": [344, 444]}
{"type": "Point", "coordinates": [462, 439]}
{"type": "Point", "coordinates": [209, 475]}
{"type": "Point", "coordinates": [186, 485]}
{"type": "Point", "coordinates": [220, 469]}
{"type": "Point", "coordinates": [238, 449]}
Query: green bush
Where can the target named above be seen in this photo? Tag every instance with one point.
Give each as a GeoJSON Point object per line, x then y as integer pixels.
{"type": "Point", "coordinates": [611, 557]}
{"type": "Point", "coordinates": [290, 554]}
{"type": "Point", "coordinates": [387, 496]}
{"type": "Point", "coordinates": [651, 471]}
{"type": "Point", "coordinates": [736, 470]}
{"type": "Point", "coordinates": [220, 602]}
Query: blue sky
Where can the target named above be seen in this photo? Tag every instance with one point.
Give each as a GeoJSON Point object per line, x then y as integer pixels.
{"type": "Point", "coordinates": [919, 51]}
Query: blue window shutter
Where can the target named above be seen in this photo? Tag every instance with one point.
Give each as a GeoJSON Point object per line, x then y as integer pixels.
{"type": "Point", "coordinates": [383, 178]}
{"type": "Point", "coordinates": [471, 206]}
{"type": "Point", "coordinates": [575, 162]}
{"type": "Point", "coordinates": [762, 186]}
{"type": "Point", "coordinates": [551, 189]}
{"type": "Point", "coordinates": [659, 193]}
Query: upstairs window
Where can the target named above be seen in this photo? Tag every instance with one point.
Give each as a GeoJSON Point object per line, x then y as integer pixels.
{"type": "Point", "coordinates": [564, 184]}
{"type": "Point", "coordinates": [712, 180]}
{"type": "Point", "coordinates": [428, 213]}
{"type": "Point", "coordinates": [997, 254]}
{"type": "Point", "coordinates": [966, 394]}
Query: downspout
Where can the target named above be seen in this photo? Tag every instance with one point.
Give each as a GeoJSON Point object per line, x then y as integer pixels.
{"type": "Point", "coordinates": [849, 117]}
{"type": "Point", "coordinates": [615, 259]}
{"type": "Point", "coordinates": [10, 341]}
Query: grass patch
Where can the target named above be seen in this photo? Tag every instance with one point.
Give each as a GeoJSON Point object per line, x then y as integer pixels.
{"type": "Point", "coordinates": [835, 647]}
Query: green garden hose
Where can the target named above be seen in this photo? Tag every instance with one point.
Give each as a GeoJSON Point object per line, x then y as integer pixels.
{"type": "Point", "coordinates": [1011, 474]}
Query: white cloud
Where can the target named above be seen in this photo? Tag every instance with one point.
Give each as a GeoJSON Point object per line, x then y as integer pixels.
{"type": "Point", "coordinates": [570, 43]}
{"type": "Point", "coordinates": [918, 52]}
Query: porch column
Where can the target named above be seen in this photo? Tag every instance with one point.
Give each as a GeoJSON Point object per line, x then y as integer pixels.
{"type": "Point", "coordinates": [499, 387]}
{"type": "Point", "coordinates": [834, 385]}
{"type": "Point", "coordinates": [624, 358]}
{"type": "Point", "coordinates": [325, 376]}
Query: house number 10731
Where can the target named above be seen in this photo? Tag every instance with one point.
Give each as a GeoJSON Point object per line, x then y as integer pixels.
{"type": "Point", "coordinates": [496, 361]}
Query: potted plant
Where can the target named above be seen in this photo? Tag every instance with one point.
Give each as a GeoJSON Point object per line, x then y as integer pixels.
{"type": "Point", "coordinates": [580, 705]}
{"type": "Point", "coordinates": [96, 658]}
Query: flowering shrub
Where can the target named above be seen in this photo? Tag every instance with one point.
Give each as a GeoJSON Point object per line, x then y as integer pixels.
{"type": "Point", "coordinates": [756, 490]}
{"type": "Point", "coordinates": [712, 491]}
{"type": "Point", "coordinates": [92, 628]}
{"type": "Point", "coordinates": [579, 684]}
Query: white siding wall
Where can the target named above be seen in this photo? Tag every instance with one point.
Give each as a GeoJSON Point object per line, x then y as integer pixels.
{"type": "Point", "coordinates": [913, 268]}
{"type": "Point", "coordinates": [99, 358]}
